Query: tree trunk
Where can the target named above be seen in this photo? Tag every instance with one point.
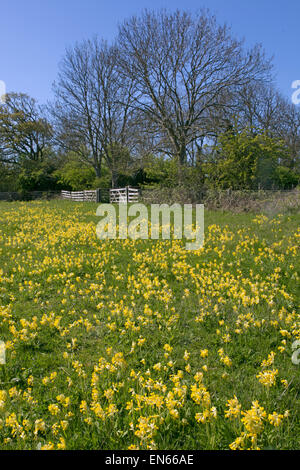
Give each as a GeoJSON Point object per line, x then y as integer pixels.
{"type": "Point", "coordinates": [182, 155]}
{"type": "Point", "coordinates": [114, 179]}
{"type": "Point", "coordinates": [98, 169]}
{"type": "Point", "coordinates": [181, 161]}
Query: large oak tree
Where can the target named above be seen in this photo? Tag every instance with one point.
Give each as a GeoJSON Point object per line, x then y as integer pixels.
{"type": "Point", "coordinates": [186, 69]}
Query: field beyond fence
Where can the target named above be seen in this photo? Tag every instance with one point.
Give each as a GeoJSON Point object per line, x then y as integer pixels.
{"type": "Point", "coordinates": [235, 201]}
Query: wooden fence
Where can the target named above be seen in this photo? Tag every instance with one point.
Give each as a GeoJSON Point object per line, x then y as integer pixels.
{"type": "Point", "coordinates": [119, 195]}
{"type": "Point", "coordinates": [80, 196]}
{"type": "Point", "coordinates": [91, 195]}
{"type": "Point", "coordinates": [124, 195]}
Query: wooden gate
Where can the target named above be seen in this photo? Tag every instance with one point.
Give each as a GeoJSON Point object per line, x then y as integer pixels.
{"type": "Point", "coordinates": [124, 195]}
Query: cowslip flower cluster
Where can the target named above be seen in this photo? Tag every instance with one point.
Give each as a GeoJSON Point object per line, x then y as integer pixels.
{"type": "Point", "coordinates": [141, 344]}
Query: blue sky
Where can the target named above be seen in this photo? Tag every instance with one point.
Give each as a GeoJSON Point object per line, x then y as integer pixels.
{"type": "Point", "coordinates": [35, 33]}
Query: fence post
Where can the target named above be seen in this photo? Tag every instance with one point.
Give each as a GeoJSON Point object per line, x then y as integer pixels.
{"type": "Point", "coordinates": [98, 197]}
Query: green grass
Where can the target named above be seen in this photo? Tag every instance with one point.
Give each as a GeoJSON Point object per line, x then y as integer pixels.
{"type": "Point", "coordinates": [66, 296]}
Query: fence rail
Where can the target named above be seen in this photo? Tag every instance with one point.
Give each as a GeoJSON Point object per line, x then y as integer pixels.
{"type": "Point", "coordinates": [90, 195]}
{"type": "Point", "coordinates": [80, 196]}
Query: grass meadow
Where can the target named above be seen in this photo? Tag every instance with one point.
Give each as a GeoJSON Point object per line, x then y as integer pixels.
{"type": "Point", "coordinates": [142, 344]}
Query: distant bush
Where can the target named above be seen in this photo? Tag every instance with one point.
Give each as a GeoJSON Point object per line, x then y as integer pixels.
{"type": "Point", "coordinates": [286, 178]}
{"type": "Point", "coordinates": [249, 160]}
{"type": "Point", "coordinates": [75, 176]}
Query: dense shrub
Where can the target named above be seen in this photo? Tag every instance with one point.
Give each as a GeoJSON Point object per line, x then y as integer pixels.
{"type": "Point", "coordinates": [37, 176]}
{"type": "Point", "coordinates": [76, 176]}
{"type": "Point", "coordinates": [247, 160]}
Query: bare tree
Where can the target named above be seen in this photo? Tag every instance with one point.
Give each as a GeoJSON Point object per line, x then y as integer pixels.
{"type": "Point", "coordinates": [260, 106]}
{"type": "Point", "coordinates": [76, 122]}
{"type": "Point", "coordinates": [289, 131]}
{"type": "Point", "coordinates": [93, 108]}
{"type": "Point", "coordinates": [184, 66]}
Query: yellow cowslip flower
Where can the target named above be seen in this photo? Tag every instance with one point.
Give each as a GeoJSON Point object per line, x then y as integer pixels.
{"type": "Point", "coordinates": [83, 406]}
{"type": "Point", "coordinates": [223, 358]}
{"type": "Point", "coordinates": [129, 406]}
{"type": "Point", "coordinates": [55, 429]}
{"type": "Point", "coordinates": [13, 392]}
{"type": "Point", "coordinates": [284, 383]}
{"type": "Point", "coordinates": [53, 376]}
{"type": "Point", "coordinates": [3, 396]}
{"type": "Point", "coordinates": [267, 377]}
{"type": "Point", "coordinates": [54, 409]}
{"type": "Point", "coordinates": [226, 338]}
{"type": "Point", "coordinates": [98, 410]}
{"type": "Point", "coordinates": [39, 426]}
{"type": "Point", "coordinates": [275, 419]}
{"type": "Point", "coordinates": [64, 401]}
{"type": "Point", "coordinates": [118, 360]}
{"type": "Point", "coordinates": [62, 444]}
{"type": "Point", "coordinates": [234, 408]}
{"type": "Point", "coordinates": [30, 380]}
{"type": "Point", "coordinates": [49, 446]}
{"type": "Point", "coordinates": [207, 415]}
{"type": "Point", "coordinates": [285, 333]}
{"type": "Point", "coordinates": [174, 413]}
{"type": "Point", "coordinates": [78, 367]}
{"type": "Point", "coordinates": [26, 424]}
{"type": "Point", "coordinates": [64, 424]}
{"type": "Point", "coordinates": [168, 348]}
{"type": "Point", "coordinates": [111, 409]}
{"type": "Point", "coordinates": [200, 395]}
{"type": "Point", "coordinates": [109, 393]}
{"type": "Point", "coordinates": [146, 427]}
{"type": "Point", "coordinates": [227, 361]}
{"type": "Point", "coordinates": [253, 418]}
{"type": "Point", "coordinates": [269, 361]}
{"type": "Point", "coordinates": [141, 341]}
{"type": "Point", "coordinates": [204, 353]}
{"type": "Point", "coordinates": [186, 355]}
{"type": "Point", "coordinates": [198, 377]}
